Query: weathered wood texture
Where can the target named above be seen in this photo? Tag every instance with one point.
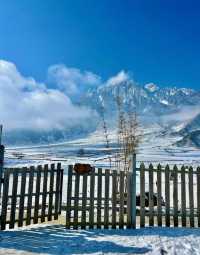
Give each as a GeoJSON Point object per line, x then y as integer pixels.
{"type": "Point", "coordinates": [173, 195]}
{"type": "Point", "coordinates": [142, 195]}
{"type": "Point", "coordinates": [26, 190]}
{"type": "Point", "coordinates": [159, 196]}
{"type": "Point", "coordinates": [166, 198]}
{"type": "Point", "coordinates": [108, 204]}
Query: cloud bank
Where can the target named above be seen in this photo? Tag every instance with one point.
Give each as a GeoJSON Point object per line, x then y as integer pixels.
{"type": "Point", "coordinates": [27, 104]}
{"type": "Point", "coordinates": [72, 81]}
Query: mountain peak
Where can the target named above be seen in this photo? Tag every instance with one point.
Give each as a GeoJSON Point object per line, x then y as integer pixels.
{"type": "Point", "coordinates": [120, 78]}
{"type": "Point", "coordinates": [151, 87]}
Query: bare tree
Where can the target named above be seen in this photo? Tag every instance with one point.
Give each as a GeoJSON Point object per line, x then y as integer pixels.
{"type": "Point", "coordinates": [128, 133]}
{"type": "Point", "coordinates": [105, 129]}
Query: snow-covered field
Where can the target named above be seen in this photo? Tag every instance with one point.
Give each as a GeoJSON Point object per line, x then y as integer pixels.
{"type": "Point", "coordinates": [55, 239]}
{"type": "Point", "coordinates": [154, 148]}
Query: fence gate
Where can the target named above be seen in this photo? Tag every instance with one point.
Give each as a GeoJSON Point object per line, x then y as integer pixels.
{"type": "Point", "coordinates": [98, 199]}
{"type": "Point", "coordinates": [30, 195]}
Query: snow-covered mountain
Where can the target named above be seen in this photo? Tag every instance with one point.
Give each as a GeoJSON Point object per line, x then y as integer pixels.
{"type": "Point", "coordinates": [163, 106]}
{"type": "Point", "coordinates": [176, 110]}
{"type": "Point", "coordinates": [192, 125]}
{"type": "Point", "coordinates": [190, 133]}
{"type": "Point", "coordinates": [148, 99]}
{"type": "Point", "coordinates": [190, 139]}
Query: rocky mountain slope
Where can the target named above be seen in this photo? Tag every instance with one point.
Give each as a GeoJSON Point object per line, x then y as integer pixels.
{"type": "Point", "coordinates": [149, 99]}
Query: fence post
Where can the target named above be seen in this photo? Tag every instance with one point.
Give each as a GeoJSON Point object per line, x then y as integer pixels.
{"type": "Point", "coordinates": [1, 164]}
{"type": "Point", "coordinates": [133, 192]}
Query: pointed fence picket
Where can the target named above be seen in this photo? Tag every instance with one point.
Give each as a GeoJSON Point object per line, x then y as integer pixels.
{"type": "Point", "coordinates": [166, 196]}
{"type": "Point", "coordinates": [98, 199]}
{"type": "Point", "coordinates": [147, 195]}
{"type": "Point", "coordinates": [29, 195]}
{"type": "Point", "coordinates": [169, 196]}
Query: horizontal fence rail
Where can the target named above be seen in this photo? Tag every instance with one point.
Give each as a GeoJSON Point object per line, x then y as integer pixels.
{"type": "Point", "coordinates": [102, 198]}
{"type": "Point", "coordinates": [98, 199]}
{"type": "Point", "coordinates": [168, 196]}
{"type": "Point", "coordinates": [30, 195]}
{"type": "Point", "coordinates": [162, 196]}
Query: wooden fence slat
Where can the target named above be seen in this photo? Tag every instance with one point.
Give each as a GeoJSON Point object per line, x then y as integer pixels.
{"type": "Point", "coordinates": [129, 199]}
{"type": "Point", "coordinates": [114, 198]}
{"type": "Point", "coordinates": [44, 195]}
{"type": "Point", "coordinates": [69, 194]}
{"type": "Point", "coordinates": [133, 192]}
{"type": "Point", "coordinates": [175, 195]}
{"type": "Point", "coordinates": [191, 197]}
{"type": "Point", "coordinates": [14, 199]}
{"type": "Point", "coordinates": [5, 199]}
{"type": "Point", "coordinates": [121, 204]}
{"type": "Point", "coordinates": [103, 203]}
{"type": "Point", "coordinates": [84, 201]}
{"type": "Point", "coordinates": [198, 195]}
{"type": "Point", "coordinates": [61, 189]}
{"type": "Point", "coordinates": [91, 209]}
{"type": "Point", "coordinates": [99, 197]}
{"type": "Point", "coordinates": [22, 193]}
{"type": "Point", "coordinates": [30, 191]}
{"type": "Point", "coordinates": [106, 201]}
{"type": "Point", "coordinates": [167, 196]}
{"type": "Point", "coordinates": [37, 195]}
{"type": "Point", "coordinates": [183, 197]}
{"type": "Point", "coordinates": [57, 195]}
{"type": "Point", "coordinates": [142, 195]}
{"type": "Point", "coordinates": [50, 209]}
{"type": "Point", "coordinates": [159, 191]}
{"type": "Point", "coordinates": [76, 200]}
{"type": "Point", "coordinates": [151, 195]}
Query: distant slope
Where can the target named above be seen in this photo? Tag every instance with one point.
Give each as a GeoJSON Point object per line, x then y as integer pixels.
{"type": "Point", "coordinates": [33, 137]}
{"type": "Point", "coordinates": [191, 139]}
{"type": "Point", "coordinates": [193, 125]}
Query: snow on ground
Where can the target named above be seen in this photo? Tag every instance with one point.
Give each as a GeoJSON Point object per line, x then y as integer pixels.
{"type": "Point", "coordinates": [55, 239]}
{"type": "Point", "coordinates": [155, 148]}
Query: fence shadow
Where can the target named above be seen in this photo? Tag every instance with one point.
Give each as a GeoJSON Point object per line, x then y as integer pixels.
{"type": "Point", "coordinates": [57, 240]}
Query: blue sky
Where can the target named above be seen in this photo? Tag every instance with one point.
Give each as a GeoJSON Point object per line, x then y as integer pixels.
{"type": "Point", "coordinates": [158, 41]}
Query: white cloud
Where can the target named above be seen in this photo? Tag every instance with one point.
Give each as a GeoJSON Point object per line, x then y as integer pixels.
{"type": "Point", "coordinates": [25, 103]}
{"type": "Point", "coordinates": [72, 81]}
{"type": "Point", "coordinates": [122, 76]}
{"type": "Point", "coordinates": [185, 114]}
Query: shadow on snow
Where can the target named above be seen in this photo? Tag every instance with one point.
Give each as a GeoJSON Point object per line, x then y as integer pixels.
{"type": "Point", "coordinates": [56, 239]}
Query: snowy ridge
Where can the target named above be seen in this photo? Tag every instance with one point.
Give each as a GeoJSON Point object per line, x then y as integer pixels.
{"type": "Point", "coordinates": [151, 97]}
